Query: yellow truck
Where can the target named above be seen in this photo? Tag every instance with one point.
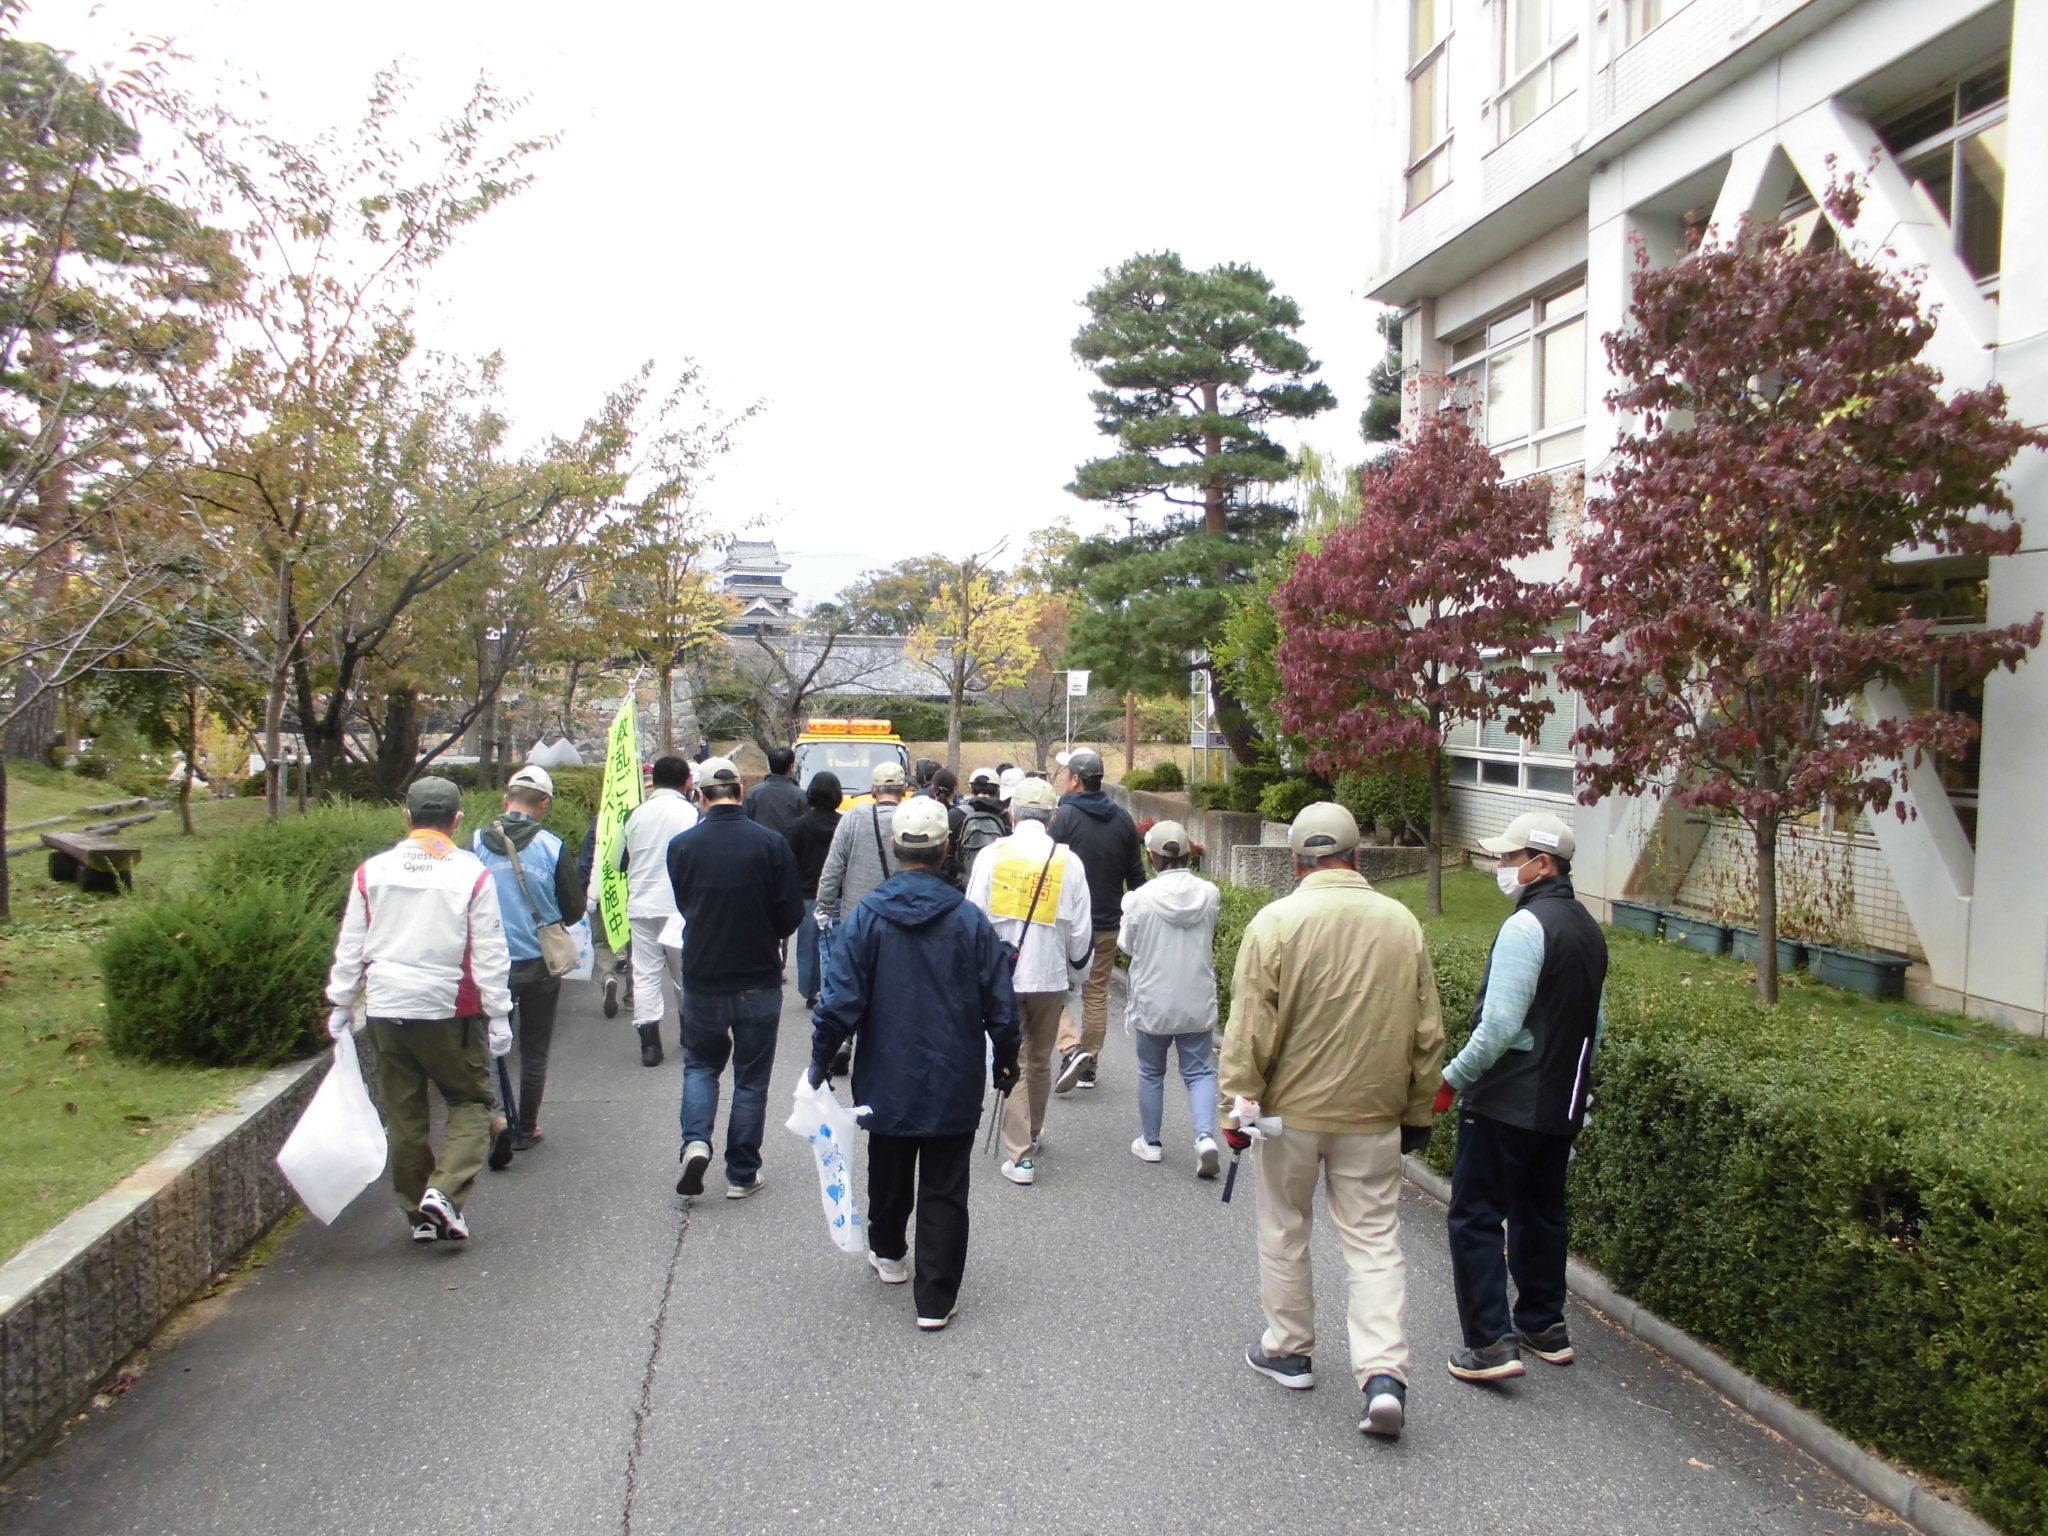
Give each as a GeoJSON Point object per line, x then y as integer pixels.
{"type": "Point", "coordinates": [851, 749]}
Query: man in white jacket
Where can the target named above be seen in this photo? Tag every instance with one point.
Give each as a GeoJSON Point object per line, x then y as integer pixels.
{"type": "Point", "coordinates": [665, 815]}
{"type": "Point", "coordinates": [1035, 891]}
{"type": "Point", "coordinates": [1169, 931]}
{"type": "Point", "coordinates": [423, 943]}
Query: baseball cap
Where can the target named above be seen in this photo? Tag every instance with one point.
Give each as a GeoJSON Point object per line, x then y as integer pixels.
{"type": "Point", "coordinates": [984, 778]}
{"type": "Point", "coordinates": [1011, 778]}
{"type": "Point", "coordinates": [888, 776]}
{"type": "Point", "coordinates": [533, 776]}
{"type": "Point", "coordinates": [1084, 762]}
{"type": "Point", "coordinates": [1169, 839]}
{"type": "Point", "coordinates": [1323, 828]}
{"type": "Point", "coordinates": [716, 770]}
{"type": "Point", "coordinates": [919, 823]}
{"type": "Point", "coordinates": [1537, 831]}
{"type": "Point", "coordinates": [1034, 795]}
{"type": "Point", "coordinates": [435, 797]}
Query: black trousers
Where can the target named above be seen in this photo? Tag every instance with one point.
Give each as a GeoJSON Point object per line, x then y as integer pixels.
{"type": "Point", "coordinates": [535, 996]}
{"type": "Point", "coordinates": [1505, 1176]}
{"type": "Point", "coordinates": [930, 1174]}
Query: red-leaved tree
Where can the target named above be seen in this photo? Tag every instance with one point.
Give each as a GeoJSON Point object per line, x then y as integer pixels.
{"type": "Point", "coordinates": [1408, 619]}
{"type": "Point", "coordinates": [1736, 579]}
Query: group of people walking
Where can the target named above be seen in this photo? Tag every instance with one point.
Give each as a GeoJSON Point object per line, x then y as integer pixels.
{"type": "Point", "coordinates": [938, 942]}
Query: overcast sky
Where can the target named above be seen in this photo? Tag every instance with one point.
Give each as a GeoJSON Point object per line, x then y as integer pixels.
{"type": "Point", "coordinates": [879, 219]}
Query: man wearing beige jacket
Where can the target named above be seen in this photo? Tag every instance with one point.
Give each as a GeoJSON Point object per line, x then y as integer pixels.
{"type": "Point", "coordinates": [1335, 1031]}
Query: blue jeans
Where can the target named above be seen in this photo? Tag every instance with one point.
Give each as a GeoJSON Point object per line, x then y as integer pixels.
{"type": "Point", "coordinates": [807, 969]}
{"type": "Point", "coordinates": [1197, 1070]}
{"type": "Point", "coordinates": [739, 1026]}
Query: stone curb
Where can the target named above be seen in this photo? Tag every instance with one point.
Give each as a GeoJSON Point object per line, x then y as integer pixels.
{"type": "Point", "coordinates": [1897, 1491]}
{"type": "Point", "coordinates": [85, 1295]}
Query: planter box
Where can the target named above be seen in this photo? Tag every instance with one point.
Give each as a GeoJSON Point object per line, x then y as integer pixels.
{"type": "Point", "coordinates": [1635, 917]}
{"type": "Point", "coordinates": [1791, 952]}
{"type": "Point", "coordinates": [1698, 933]}
{"type": "Point", "coordinates": [1881, 976]}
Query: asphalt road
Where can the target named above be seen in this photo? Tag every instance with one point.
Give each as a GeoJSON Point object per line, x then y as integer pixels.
{"type": "Point", "coordinates": [602, 1358]}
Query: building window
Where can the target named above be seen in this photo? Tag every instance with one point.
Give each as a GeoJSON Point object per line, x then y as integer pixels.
{"type": "Point", "coordinates": [1952, 148]}
{"type": "Point", "coordinates": [1539, 45]}
{"type": "Point", "coordinates": [1525, 372]}
{"type": "Point", "coordinates": [1487, 753]}
{"type": "Point", "coordinates": [1429, 108]}
{"type": "Point", "coordinates": [1646, 16]}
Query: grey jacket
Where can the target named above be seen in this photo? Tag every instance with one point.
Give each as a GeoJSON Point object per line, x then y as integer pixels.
{"type": "Point", "coordinates": [861, 858]}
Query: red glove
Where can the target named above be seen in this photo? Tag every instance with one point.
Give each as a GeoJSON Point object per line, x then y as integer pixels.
{"type": "Point", "coordinates": [1238, 1140]}
{"type": "Point", "coordinates": [1444, 1097]}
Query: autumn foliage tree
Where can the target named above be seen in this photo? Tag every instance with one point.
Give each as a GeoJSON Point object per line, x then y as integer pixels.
{"type": "Point", "coordinates": [1737, 577]}
{"type": "Point", "coordinates": [1410, 618]}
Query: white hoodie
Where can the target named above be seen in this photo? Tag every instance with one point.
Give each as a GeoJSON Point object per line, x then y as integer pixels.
{"type": "Point", "coordinates": [422, 936]}
{"type": "Point", "coordinates": [1169, 931]}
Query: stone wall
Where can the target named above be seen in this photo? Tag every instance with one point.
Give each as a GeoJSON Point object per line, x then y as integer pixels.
{"type": "Point", "coordinates": [1247, 850]}
{"type": "Point", "coordinates": [85, 1295]}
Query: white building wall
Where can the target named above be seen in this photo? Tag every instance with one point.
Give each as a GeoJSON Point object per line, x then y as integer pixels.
{"type": "Point", "coordinates": [1711, 114]}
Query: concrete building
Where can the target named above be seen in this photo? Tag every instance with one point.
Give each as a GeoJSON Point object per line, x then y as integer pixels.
{"type": "Point", "coordinates": [1521, 148]}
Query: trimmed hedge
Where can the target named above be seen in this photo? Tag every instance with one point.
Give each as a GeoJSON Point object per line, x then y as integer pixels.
{"type": "Point", "coordinates": [220, 978]}
{"type": "Point", "coordinates": [1167, 776]}
{"type": "Point", "coordinates": [1290, 797]}
{"type": "Point", "coordinates": [316, 852]}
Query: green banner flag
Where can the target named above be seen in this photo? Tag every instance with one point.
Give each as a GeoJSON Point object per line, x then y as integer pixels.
{"type": "Point", "coordinates": [615, 804]}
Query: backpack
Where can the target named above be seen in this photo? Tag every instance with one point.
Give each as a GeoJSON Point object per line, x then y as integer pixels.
{"type": "Point", "coordinates": [979, 830]}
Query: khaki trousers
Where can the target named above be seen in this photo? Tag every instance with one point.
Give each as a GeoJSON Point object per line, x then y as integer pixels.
{"type": "Point", "coordinates": [1362, 1181]}
{"type": "Point", "coordinates": [1094, 1001]}
{"type": "Point", "coordinates": [454, 1056]}
{"type": "Point", "coordinates": [1038, 1015]}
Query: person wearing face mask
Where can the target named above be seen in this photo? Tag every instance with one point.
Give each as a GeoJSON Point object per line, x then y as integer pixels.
{"type": "Point", "coordinates": [1522, 1084]}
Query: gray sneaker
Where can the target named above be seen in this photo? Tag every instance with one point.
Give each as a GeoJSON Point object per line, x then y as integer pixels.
{"type": "Point", "coordinates": [734, 1190]}
{"type": "Point", "coordinates": [1499, 1361]}
{"type": "Point", "coordinates": [696, 1158]}
{"type": "Point", "coordinates": [1552, 1344]}
{"type": "Point", "coordinates": [1386, 1408]}
{"type": "Point", "coordinates": [1294, 1371]}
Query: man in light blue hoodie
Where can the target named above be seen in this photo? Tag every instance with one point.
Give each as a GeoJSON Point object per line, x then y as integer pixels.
{"type": "Point", "coordinates": [547, 887]}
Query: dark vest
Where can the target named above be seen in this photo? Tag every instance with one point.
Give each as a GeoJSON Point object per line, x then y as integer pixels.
{"type": "Point", "coordinates": [1545, 1089]}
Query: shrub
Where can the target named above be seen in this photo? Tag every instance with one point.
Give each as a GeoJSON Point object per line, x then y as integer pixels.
{"type": "Point", "coordinates": [1143, 780]}
{"type": "Point", "coordinates": [316, 852]}
{"type": "Point", "coordinates": [92, 765]}
{"type": "Point", "coordinates": [1287, 799]}
{"type": "Point", "coordinates": [575, 807]}
{"type": "Point", "coordinates": [1209, 797]}
{"type": "Point", "coordinates": [219, 977]}
{"type": "Point", "coordinates": [1166, 776]}
{"type": "Point", "coordinates": [253, 787]}
{"type": "Point", "coordinates": [1397, 802]}
{"type": "Point", "coordinates": [1238, 905]}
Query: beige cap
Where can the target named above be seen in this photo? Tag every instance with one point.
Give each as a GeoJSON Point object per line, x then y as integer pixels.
{"type": "Point", "coordinates": [1323, 829]}
{"type": "Point", "coordinates": [1537, 831]}
{"type": "Point", "coordinates": [887, 776]}
{"type": "Point", "coordinates": [716, 770]}
{"type": "Point", "coordinates": [983, 776]}
{"type": "Point", "coordinates": [533, 776]}
{"type": "Point", "coordinates": [919, 823]}
{"type": "Point", "coordinates": [1168, 839]}
{"type": "Point", "coordinates": [1010, 779]}
{"type": "Point", "coordinates": [1034, 795]}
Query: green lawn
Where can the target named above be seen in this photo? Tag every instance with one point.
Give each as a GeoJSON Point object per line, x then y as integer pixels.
{"type": "Point", "coordinates": [73, 1120]}
{"type": "Point", "coordinates": [1474, 909]}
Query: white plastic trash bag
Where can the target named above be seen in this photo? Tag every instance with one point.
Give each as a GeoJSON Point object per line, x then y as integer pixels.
{"type": "Point", "coordinates": [586, 953]}
{"type": "Point", "coordinates": [337, 1147]}
{"type": "Point", "coordinates": [829, 1127]}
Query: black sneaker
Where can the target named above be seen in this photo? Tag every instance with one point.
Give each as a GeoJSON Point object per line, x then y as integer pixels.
{"type": "Point", "coordinates": [611, 997]}
{"type": "Point", "coordinates": [501, 1147]}
{"type": "Point", "coordinates": [1499, 1361]}
{"type": "Point", "coordinates": [650, 1043]}
{"type": "Point", "coordinates": [1386, 1408]}
{"type": "Point", "coordinates": [1087, 1075]}
{"type": "Point", "coordinates": [1072, 1065]}
{"type": "Point", "coordinates": [842, 1064]}
{"type": "Point", "coordinates": [696, 1158]}
{"type": "Point", "coordinates": [1296, 1371]}
{"type": "Point", "coordinates": [1552, 1344]}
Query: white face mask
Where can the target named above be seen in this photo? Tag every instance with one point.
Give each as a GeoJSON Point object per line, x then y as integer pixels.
{"type": "Point", "coordinates": [1509, 879]}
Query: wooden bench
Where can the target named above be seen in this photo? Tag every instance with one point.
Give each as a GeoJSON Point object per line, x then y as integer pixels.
{"type": "Point", "coordinates": [96, 863]}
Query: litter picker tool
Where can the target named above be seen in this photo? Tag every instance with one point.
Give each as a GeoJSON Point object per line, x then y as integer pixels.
{"type": "Point", "coordinates": [1254, 1126]}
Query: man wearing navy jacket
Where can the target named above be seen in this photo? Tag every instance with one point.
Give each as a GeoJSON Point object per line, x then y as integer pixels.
{"type": "Point", "coordinates": [919, 978]}
{"type": "Point", "coordinates": [735, 884]}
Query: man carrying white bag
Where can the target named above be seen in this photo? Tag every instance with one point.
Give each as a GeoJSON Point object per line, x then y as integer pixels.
{"type": "Point", "coordinates": [422, 938]}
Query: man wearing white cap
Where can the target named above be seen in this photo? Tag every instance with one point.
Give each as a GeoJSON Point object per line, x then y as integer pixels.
{"type": "Point", "coordinates": [1036, 893]}
{"type": "Point", "coordinates": [1336, 1032]}
{"type": "Point", "coordinates": [1523, 1082]}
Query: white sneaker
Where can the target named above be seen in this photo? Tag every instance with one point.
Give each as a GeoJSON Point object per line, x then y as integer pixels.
{"type": "Point", "coordinates": [892, 1271]}
{"type": "Point", "coordinates": [1208, 1157]}
{"type": "Point", "coordinates": [737, 1191]}
{"type": "Point", "coordinates": [425, 1232]}
{"type": "Point", "coordinates": [1022, 1171]}
{"type": "Point", "coordinates": [439, 1210]}
{"type": "Point", "coordinates": [1146, 1151]}
{"type": "Point", "coordinates": [934, 1324]}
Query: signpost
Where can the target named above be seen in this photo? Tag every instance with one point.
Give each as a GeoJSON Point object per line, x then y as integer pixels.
{"type": "Point", "coordinates": [1077, 688]}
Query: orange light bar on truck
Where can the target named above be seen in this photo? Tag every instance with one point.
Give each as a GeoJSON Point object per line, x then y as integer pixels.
{"type": "Point", "coordinates": [846, 727]}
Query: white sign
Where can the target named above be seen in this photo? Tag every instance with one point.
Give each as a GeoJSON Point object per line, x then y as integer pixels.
{"type": "Point", "coordinates": [1077, 684]}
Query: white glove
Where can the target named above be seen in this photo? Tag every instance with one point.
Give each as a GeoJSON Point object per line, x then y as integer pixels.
{"type": "Point", "coordinates": [501, 1036]}
{"type": "Point", "coordinates": [823, 919]}
{"type": "Point", "coordinates": [1245, 1112]}
{"type": "Point", "coordinates": [339, 1020]}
